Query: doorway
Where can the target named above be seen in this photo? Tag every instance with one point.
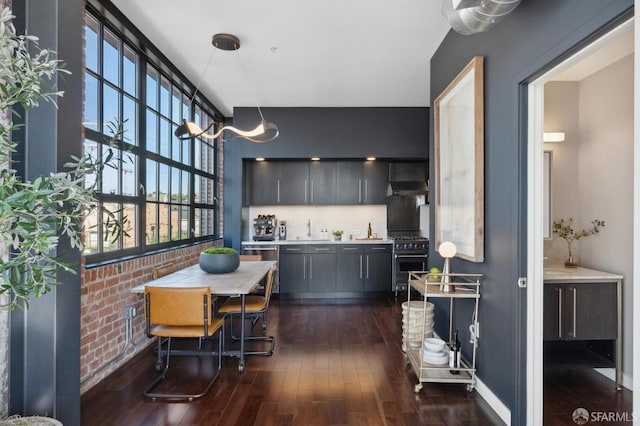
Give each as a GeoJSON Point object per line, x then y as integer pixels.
{"type": "Point", "coordinates": [585, 62]}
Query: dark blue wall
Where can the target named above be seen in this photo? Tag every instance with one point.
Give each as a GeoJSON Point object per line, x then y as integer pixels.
{"type": "Point", "coordinates": [390, 133]}
{"type": "Point", "coordinates": [538, 33]}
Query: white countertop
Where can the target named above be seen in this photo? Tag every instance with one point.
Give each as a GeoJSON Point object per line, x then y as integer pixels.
{"type": "Point", "coordinates": [560, 273]}
{"type": "Point", "coordinates": [343, 241]}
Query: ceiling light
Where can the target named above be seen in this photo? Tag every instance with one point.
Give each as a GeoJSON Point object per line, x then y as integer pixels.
{"type": "Point", "coordinates": [315, 158]}
{"type": "Point", "coordinates": [553, 137]}
{"type": "Point", "coordinates": [259, 158]}
{"type": "Point", "coordinates": [371, 158]}
{"type": "Point", "coordinates": [263, 132]}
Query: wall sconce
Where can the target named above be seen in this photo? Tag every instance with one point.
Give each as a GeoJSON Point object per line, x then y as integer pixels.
{"type": "Point", "coordinates": [553, 137]}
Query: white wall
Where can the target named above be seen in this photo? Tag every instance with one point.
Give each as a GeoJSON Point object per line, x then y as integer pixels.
{"type": "Point", "coordinates": [592, 174]}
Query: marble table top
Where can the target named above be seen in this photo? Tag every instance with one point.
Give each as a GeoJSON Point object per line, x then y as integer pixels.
{"type": "Point", "coordinates": [243, 280]}
{"type": "Point", "coordinates": [559, 273]}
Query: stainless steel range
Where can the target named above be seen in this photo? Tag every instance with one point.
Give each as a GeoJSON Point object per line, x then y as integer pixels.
{"type": "Point", "coordinates": [410, 253]}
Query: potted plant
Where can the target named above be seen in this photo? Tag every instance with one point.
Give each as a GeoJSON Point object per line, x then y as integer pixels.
{"type": "Point", "coordinates": [564, 229]}
{"type": "Point", "coordinates": [34, 215]}
{"type": "Point", "coordinates": [219, 260]}
{"type": "Point", "coordinates": [337, 234]}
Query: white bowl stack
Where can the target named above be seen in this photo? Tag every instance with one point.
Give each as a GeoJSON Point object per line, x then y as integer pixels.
{"type": "Point", "coordinates": [415, 316]}
{"type": "Point", "coordinates": [435, 351]}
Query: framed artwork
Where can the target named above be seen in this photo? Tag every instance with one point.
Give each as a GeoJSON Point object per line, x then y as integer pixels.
{"type": "Point", "coordinates": [459, 162]}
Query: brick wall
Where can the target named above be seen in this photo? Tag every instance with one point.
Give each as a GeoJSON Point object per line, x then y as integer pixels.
{"type": "Point", "coordinates": [105, 295]}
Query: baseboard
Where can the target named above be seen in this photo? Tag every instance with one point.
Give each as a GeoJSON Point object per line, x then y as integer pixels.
{"type": "Point", "coordinates": [494, 402]}
{"type": "Point", "coordinates": [610, 373]}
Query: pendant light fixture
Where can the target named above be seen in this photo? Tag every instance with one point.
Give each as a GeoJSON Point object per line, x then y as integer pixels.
{"type": "Point", "coordinates": [264, 132]}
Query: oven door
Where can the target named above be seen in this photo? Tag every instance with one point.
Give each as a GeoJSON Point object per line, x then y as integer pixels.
{"type": "Point", "coordinates": [403, 264]}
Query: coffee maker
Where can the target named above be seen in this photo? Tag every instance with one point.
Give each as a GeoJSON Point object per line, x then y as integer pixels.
{"type": "Point", "coordinates": [264, 227]}
{"type": "Point", "coordinates": [282, 230]}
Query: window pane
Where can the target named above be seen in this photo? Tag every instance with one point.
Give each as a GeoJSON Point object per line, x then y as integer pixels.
{"type": "Point", "coordinates": [186, 151]}
{"type": "Point", "coordinates": [164, 183]}
{"type": "Point", "coordinates": [164, 220]}
{"type": "Point", "coordinates": [175, 223]}
{"type": "Point", "coordinates": [198, 153]}
{"type": "Point", "coordinates": [197, 232]}
{"type": "Point", "coordinates": [129, 186]}
{"type": "Point", "coordinates": [109, 244]}
{"type": "Point", "coordinates": [129, 211]}
{"type": "Point", "coordinates": [176, 105]}
{"type": "Point", "coordinates": [186, 196]}
{"type": "Point", "coordinates": [91, 97]}
{"type": "Point", "coordinates": [110, 105]}
{"type": "Point", "coordinates": [185, 107]}
{"type": "Point", "coordinates": [90, 151]}
{"type": "Point", "coordinates": [152, 88]}
{"type": "Point", "coordinates": [151, 186]}
{"type": "Point", "coordinates": [152, 131]}
{"type": "Point", "coordinates": [111, 63]}
{"type": "Point", "coordinates": [91, 234]}
{"type": "Point", "coordinates": [130, 71]}
{"type": "Point", "coordinates": [109, 175]}
{"type": "Point", "coordinates": [92, 47]}
{"type": "Point", "coordinates": [152, 223]}
{"type": "Point", "coordinates": [184, 222]}
{"type": "Point", "coordinates": [165, 130]}
{"type": "Point", "coordinates": [130, 114]}
{"type": "Point", "coordinates": [175, 185]}
{"type": "Point", "coordinates": [175, 145]}
{"type": "Point", "coordinates": [165, 102]}
{"type": "Point", "coordinates": [196, 188]}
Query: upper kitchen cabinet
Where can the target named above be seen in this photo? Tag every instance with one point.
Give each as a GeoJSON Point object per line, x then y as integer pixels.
{"type": "Point", "coordinates": [277, 182]}
{"type": "Point", "coordinates": [322, 183]}
{"type": "Point", "coordinates": [362, 182]}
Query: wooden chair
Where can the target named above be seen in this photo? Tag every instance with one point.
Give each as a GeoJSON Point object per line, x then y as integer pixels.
{"type": "Point", "coordinates": [172, 312]}
{"type": "Point", "coordinates": [162, 270]}
{"type": "Point", "coordinates": [255, 306]}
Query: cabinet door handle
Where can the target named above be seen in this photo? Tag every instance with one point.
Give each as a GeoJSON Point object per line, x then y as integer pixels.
{"type": "Point", "coordinates": [304, 268]}
{"type": "Point", "coordinates": [360, 266]}
{"type": "Point", "coordinates": [575, 306]}
{"type": "Point", "coordinates": [366, 188]}
{"type": "Point", "coordinates": [559, 290]}
{"type": "Point", "coordinates": [378, 248]}
{"type": "Point", "coordinates": [311, 191]}
{"type": "Point", "coordinates": [310, 267]}
{"type": "Point", "coordinates": [350, 249]}
{"type": "Point", "coordinates": [293, 249]}
{"type": "Point", "coordinates": [305, 190]}
{"type": "Point", "coordinates": [359, 190]}
{"type": "Point", "coordinates": [278, 191]}
{"type": "Point", "coordinates": [367, 266]}
{"type": "Point", "coordinates": [321, 249]}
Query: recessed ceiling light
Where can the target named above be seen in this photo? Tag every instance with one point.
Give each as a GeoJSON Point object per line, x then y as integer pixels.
{"type": "Point", "coordinates": [315, 158]}
{"type": "Point", "coordinates": [259, 158]}
{"type": "Point", "coordinates": [371, 158]}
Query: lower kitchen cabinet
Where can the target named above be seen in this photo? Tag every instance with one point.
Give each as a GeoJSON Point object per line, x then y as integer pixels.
{"type": "Point", "coordinates": [378, 268]}
{"type": "Point", "coordinates": [582, 304]}
{"type": "Point", "coordinates": [350, 268]}
{"type": "Point", "coordinates": [362, 268]}
{"type": "Point", "coordinates": [307, 269]}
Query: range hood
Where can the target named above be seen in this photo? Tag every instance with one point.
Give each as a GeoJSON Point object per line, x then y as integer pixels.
{"type": "Point", "coordinates": [408, 178]}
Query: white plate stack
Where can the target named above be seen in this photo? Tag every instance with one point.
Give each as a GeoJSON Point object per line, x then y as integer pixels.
{"type": "Point", "coordinates": [435, 351]}
{"type": "Point", "coordinates": [415, 316]}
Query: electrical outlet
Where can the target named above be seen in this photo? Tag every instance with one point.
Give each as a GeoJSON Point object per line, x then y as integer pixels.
{"type": "Point", "coordinates": [134, 311]}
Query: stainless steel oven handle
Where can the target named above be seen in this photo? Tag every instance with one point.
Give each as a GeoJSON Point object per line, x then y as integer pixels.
{"type": "Point", "coordinates": [412, 256]}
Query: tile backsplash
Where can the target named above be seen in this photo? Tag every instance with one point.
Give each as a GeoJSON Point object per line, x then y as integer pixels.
{"type": "Point", "coordinates": [353, 220]}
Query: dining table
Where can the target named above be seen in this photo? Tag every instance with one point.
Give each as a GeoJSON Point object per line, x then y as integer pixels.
{"type": "Point", "coordinates": [238, 283]}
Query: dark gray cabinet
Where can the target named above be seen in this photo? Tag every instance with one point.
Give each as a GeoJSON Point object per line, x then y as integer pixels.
{"type": "Point", "coordinates": [307, 269]}
{"type": "Point", "coordinates": [322, 183]}
{"type": "Point", "coordinates": [377, 267]}
{"type": "Point", "coordinates": [293, 186]}
{"type": "Point", "coordinates": [581, 311]}
{"type": "Point", "coordinates": [363, 268]}
{"type": "Point", "coordinates": [277, 182]}
{"type": "Point", "coordinates": [362, 182]}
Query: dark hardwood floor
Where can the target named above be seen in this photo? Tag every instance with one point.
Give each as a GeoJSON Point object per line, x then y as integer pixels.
{"type": "Point", "coordinates": [334, 364]}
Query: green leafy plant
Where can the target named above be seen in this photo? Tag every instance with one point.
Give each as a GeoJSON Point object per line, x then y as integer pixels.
{"type": "Point", "coordinates": [338, 233]}
{"type": "Point", "coordinates": [564, 229]}
{"type": "Point", "coordinates": [34, 215]}
{"type": "Point", "coordinates": [219, 250]}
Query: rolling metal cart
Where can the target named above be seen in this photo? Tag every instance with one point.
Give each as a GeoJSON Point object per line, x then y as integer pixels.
{"type": "Point", "coordinates": [459, 287]}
